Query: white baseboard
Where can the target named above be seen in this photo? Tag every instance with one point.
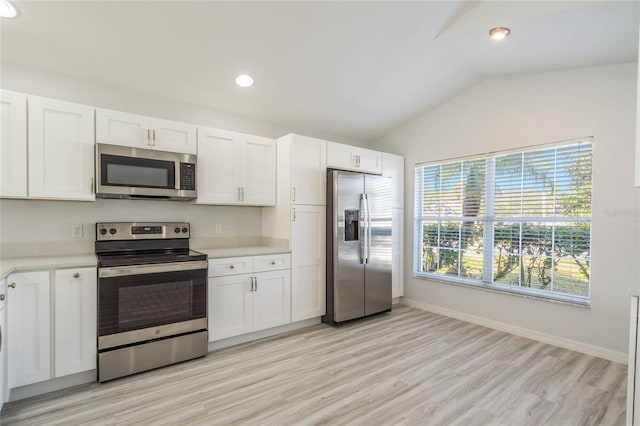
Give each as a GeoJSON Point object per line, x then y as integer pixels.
{"type": "Point", "coordinates": [52, 385]}
{"type": "Point", "coordinates": [574, 345]}
{"type": "Point", "coordinates": [244, 338]}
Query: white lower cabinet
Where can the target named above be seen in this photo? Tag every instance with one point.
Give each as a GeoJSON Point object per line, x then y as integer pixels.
{"type": "Point", "coordinates": [3, 341]}
{"type": "Point", "coordinates": [29, 334]}
{"type": "Point", "coordinates": [35, 343]}
{"type": "Point", "coordinates": [308, 288]}
{"type": "Point", "coordinates": [247, 302]}
{"type": "Point", "coordinates": [397, 249]}
{"type": "Point", "coordinates": [75, 325]}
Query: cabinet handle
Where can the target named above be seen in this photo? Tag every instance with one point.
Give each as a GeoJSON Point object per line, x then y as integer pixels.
{"type": "Point", "coordinates": [255, 280]}
{"type": "Point", "coordinates": [153, 136]}
{"type": "Point", "coordinates": [294, 214]}
{"type": "Point", "coordinates": [93, 188]}
{"type": "Point", "coordinates": [294, 194]}
{"type": "Point", "coordinates": [273, 262]}
{"type": "Point", "coordinates": [231, 267]}
{"type": "Point", "coordinates": [2, 297]}
{"type": "Point", "coordinates": [242, 191]}
{"type": "Point", "coordinates": [76, 275]}
{"type": "Point", "coordinates": [12, 285]}
{"type": "Point", "coordinates": [239, 198]}
{"type": "Point", "coordinates": [149, 137]}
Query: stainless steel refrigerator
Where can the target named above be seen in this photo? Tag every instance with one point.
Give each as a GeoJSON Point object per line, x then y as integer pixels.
{"type": "Point", "coordinates": [359, 208]}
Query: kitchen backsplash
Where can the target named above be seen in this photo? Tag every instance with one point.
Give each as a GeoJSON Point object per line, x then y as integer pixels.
{"type": "Point", "coordinates": [37, 228]}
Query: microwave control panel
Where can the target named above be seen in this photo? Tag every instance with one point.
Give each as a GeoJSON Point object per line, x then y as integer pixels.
{"type": "Point", "coordinates": [187, 176]}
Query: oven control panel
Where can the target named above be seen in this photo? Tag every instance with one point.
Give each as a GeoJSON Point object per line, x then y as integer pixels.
{"type": "Point", "coordinates": [141, 231]}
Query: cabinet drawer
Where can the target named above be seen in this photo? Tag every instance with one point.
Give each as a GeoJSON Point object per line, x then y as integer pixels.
{"type": "Point", "coordinates": [230, 266]}
{"type": "Point", "coordinates": [271, 262]}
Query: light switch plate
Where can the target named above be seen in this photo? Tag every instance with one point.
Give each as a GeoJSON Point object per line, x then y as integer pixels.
{"type": "Point", "coordinates": [218, 228]}
{"type": "Point", "coordinates": [76, 230]}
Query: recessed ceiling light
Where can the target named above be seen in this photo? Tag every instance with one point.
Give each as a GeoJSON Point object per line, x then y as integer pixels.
{"type": "Point", "coordinates": [499, 33]}
{"type": "Point", "coordinates": [7, 10]}
{"type": "Point", "coordinates": [244, 80]}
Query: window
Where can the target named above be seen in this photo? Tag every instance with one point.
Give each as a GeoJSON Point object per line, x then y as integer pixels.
{"type": "Point", "coordinates": [517, 221]}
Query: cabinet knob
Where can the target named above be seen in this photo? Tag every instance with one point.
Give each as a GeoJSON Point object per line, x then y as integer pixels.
{"type": "Point", "coordinates": [273, 262]}
{"type": "Point", "coordinates": [231, 267]}
{"type": "Point", "coordinates": [2, 297]}
{"type": "Point", "coordinates": [76, 275]}
{"type": "Point", "coordinates": [12, 285]}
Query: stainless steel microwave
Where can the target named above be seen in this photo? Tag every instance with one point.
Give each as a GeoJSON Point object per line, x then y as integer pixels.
{"type": "Point", "coordinates": [136, 173]}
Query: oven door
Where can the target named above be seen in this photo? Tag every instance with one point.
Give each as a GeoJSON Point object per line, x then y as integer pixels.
{"type": "Point", "coordinates": [146, 302]}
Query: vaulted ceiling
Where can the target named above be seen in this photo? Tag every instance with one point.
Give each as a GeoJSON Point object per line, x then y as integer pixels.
{"type": "Point", "coordinates": [357, 69]}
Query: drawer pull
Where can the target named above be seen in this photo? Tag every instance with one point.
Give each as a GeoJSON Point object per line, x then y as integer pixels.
{"type": "Point", "coordinates": [231, 267]}
{"type": "Point", "coordinates": [76, 275]}
{"type": "Point", "coordinates": [12, 285]}
{"type": "Point", "coordinates": [273, 262]}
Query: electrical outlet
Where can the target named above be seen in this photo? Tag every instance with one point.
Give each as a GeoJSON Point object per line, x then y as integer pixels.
{"type": "Point", "coordinates": [218, 228]}
{"type": "Point", "coordinates": [76, 230]}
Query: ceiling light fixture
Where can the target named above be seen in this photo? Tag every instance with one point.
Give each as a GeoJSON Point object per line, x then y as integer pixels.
{"type": "Point", "coordinates": [244, 80]}
{"type": "Point", "coordinates": [499, 33]}
{"type": "Point", "coordinates": [7, 10]}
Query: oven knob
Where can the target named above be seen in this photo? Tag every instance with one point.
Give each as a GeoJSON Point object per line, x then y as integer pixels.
{"type": "Point", "coordinates": [177, 230]}
{"type": "Point", "coordinates": [112, 231]}
{"type": "Point", "coordinates": [185, 230]}
{"type": "Point", "coordinates": [103, 231]}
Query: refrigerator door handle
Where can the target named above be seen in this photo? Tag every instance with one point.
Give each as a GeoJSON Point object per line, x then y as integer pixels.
{"type": "Point", "coordinates": [368, 226]}
{"type": "Point", "coordinates": [362, 220]}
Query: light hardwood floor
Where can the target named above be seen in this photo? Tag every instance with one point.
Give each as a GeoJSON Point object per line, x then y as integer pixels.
{"type": "Point", "coordinates": [406, 367]}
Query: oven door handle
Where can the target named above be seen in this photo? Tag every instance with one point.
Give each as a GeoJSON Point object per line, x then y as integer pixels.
{"type": "Point", "coordinates": [121, 271]}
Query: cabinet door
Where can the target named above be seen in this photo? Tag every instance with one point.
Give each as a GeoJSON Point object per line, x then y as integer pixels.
{"type": "Point", "coordinates": [75, 320]}
{"type": "Point", "coordinates": [29, 334]}
{"type": "Point", "coordinates": [173, 136]}
{"type": "Point", "coordinates": [347, 157]}
{"type": "Point", "coordinates": [230, 306]}
{"type": "Point", "coordinates": [258, 165]}
{"type": "Point", "coordinates": [308, 171]}
{"type": "Point", "coordinates": [3, 342]}
{"type": "Point", "coordinates": [272, 299]}
{"type": "Point", "coordinates": [217, 171]}
{"type": "Point", "coordinates": [393, 167]}
{"type": "Point", "coordinates": [308, 285]}
{"type": "Point", "coordinates": [397, 249]}
{"type": "Point", "coordinates": [13, 144]}
{"type": "Point", "coordinates": [122, 128]}
{"type": "Point", "coordinates": [61, 150]}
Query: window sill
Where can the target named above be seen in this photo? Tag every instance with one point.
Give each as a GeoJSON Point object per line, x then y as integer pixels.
{"type": "Point", "coordinates": [574, 301]}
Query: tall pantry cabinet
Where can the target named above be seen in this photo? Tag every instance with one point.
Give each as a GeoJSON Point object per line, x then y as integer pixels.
{"type": "Point", "coordinates": [300, 217]}
{"type": "Point", "coordinates": [393, 167]}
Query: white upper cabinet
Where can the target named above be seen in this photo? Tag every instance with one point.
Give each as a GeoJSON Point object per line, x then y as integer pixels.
{"type": "Point", "coordinates": [235, 169]}
{"type": "Point", "coordinates": [393, 167]}
{"type": "Point", "coordinates": [138, 131]}
{"type": "Point", "coordinates": [347, 157]}
{"type": "Point", "coordinates": [308, 170]}
{"type": "Point", "coordinates": [258, 159]}
{"type": "Point", "coordinates": [61, 150]}
{"type": "Point", "coordinates": [13, 145]}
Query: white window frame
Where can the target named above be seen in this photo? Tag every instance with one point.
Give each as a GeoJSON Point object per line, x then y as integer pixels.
{"type": "Point", "coordinates": [488, 221]}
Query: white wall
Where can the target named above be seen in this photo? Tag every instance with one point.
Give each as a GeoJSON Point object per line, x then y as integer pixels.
{"type": "Point", "coordinates": [35, 227]}
{"type": "Point", "coordinates": [517, 111]}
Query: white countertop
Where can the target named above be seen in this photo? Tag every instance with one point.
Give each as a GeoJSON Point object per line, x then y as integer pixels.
{"type": "Point", "coordinates": [17, 264]}
{"type": "Point", "coordinates": [241, 251]}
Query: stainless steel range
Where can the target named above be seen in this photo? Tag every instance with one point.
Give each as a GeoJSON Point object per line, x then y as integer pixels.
{"type": "Point", "coordinates": [152, 297]}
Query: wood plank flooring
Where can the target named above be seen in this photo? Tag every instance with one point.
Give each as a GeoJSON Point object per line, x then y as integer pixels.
{"type": "Point", "coordinates": [407, 367]}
